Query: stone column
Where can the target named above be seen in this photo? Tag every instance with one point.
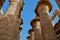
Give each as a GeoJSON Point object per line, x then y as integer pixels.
{"type": "Point", "coordinates": [1, 4]}
{"type": "Point", "coordinates": [37, 29]}
{"type": "Point", "coordinates": [14, 7]}
{"type": "Point", "coordinates": [57, 29]}
{"type": "Point", "coordinates": [42, 10]}
{"type": "Point", "coordinates": [31, 32]}
{"type": "Point", "coordinates": [28, 38]}
{"type": "Point", "coordinates": [58, 3]}
{"type": "Point", "coordinates": [56, 12]}
{"type": "Point", "coordinates": [11, 21]}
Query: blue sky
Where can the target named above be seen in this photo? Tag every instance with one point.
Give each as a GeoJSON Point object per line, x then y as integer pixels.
{"type": "Point", "coordinates": [28, 14]}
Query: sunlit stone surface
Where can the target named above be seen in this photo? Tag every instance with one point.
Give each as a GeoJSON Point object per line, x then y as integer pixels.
{"type": "Point", "coordinates": [11, 21]}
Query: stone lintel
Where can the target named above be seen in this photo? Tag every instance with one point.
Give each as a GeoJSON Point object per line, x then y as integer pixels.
{"type": "Point", "coordinates": [43, 3]}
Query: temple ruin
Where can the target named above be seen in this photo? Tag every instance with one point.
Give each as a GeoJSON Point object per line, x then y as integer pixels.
{"type": "Point", "coordinates": [42, 26]}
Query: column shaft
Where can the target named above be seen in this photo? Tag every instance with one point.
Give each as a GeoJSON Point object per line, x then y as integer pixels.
{"type": "Point", "coordinates": [46, 23]}
{"type": "Point", "coordinates": [14, 7]}
{"type": "Point", "coordinates": [37, 29]}
{"type": "Point", "coordinates": [31, 32]}
{"type": "Point", "coordinates": [10, 22]}
{"type": "Point", "coordinates": [42, 10]}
